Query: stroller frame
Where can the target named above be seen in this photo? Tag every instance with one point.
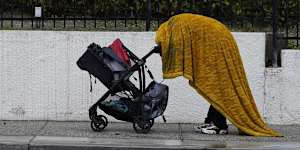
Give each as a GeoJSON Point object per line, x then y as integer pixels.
{"type": "Point", "coordinates": [142, 122]}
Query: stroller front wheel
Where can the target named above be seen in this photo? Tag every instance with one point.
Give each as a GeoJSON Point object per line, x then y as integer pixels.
{"type": "Point", "coordinates": [99, 123]}
{"type": "Point", "coordinates": [143, 126]}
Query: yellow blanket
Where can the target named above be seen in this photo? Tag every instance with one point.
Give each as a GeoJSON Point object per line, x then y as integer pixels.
{"type": "Point", "coordinates": [204, 51]}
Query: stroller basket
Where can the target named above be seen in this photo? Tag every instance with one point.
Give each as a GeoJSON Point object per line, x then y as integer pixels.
{"type": "Point", "coordinates": [151, 105]}
{"type": "Point", "coordinates": [141, 106]}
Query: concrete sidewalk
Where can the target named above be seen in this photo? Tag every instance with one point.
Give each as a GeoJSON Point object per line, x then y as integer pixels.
{"type": "Point", "coordinates": [46, 135]}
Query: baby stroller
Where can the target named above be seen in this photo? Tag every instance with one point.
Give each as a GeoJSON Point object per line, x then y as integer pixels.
{"type": "Point", "coordinates": [114, 66]}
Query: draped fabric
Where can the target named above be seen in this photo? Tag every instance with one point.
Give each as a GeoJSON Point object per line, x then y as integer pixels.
{"type": "Point", "coordinates": [204, 51]}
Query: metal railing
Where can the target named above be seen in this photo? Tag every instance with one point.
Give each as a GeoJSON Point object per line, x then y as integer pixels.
{"type": "Point", "coordinates": [287, 24]}
{"type": "Point", "coordinates": [279, 17]}
{"type": "Point", "coordinates": [237, 14]}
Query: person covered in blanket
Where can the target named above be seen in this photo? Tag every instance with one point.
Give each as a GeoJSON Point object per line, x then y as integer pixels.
{"type": "Point", "coordinates": [203, 50]}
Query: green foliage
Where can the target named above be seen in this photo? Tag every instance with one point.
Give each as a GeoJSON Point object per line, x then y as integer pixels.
{"type": "Point", "coordinates": [233, 11]}
{"type": "Point", "coordinates": [293, 44]}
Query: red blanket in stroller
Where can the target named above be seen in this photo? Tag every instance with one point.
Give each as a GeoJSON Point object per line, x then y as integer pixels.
{"type": "Point", "coordinates": [117, 47]}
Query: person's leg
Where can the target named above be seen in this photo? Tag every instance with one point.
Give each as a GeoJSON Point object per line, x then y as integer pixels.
{"type": "Point", "coordinates": [210, 115]}
{"type": "Point", "coordinates": [218, 119]}
{"type": "Point", "coordinates": [208, 120]}
{"type": "Point", "coordinates": [219, 124]}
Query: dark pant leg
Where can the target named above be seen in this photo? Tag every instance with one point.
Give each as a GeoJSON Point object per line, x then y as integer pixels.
{"type": "Point", "coordinates": [210, 115]}
{"type": "Point", "coordinates": [217, 118]}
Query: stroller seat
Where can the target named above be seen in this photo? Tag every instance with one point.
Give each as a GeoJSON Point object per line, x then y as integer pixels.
{"type": "Point", "coordinates": [113, 66]}
{"type": "Point", "coordinates": [102, 63]}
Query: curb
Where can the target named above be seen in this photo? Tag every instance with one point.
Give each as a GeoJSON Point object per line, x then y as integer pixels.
{"type": "Point", "coordinates": [85, 143]}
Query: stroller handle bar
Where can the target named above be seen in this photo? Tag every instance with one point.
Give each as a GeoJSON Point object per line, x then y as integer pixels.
{"type": "Point", "coordinates": [156, 49]}
{"type": "Point", "coordinates": [135, 67]}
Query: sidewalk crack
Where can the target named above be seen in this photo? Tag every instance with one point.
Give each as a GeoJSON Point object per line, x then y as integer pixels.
{"type": "Point", "coordinates": [37, 133]}
{"type": "Point", "coordinates": [180, 132]}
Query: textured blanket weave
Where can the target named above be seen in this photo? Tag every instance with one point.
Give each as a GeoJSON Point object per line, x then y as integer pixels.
{"type": "Point", "coordinates": [204, 51]}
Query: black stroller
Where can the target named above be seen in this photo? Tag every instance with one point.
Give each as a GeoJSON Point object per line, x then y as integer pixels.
{"type": "Point", "coordinates": [124, 100]}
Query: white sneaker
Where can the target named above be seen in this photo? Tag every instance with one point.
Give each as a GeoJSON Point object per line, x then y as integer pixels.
{"type": "Point", "coordinates": [203, 125]}
{"type": "Point", "coordinates": [212, 129]}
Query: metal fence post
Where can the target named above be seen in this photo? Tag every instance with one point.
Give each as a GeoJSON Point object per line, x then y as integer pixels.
{"type": "Point", "coordinates": [274, 38]}
{"type": "Point", "coordinates": [298, 23]}
{"type": "Point", "coordinates": [149, 14]}
{"type": "Point", "coordinates": [2, 19]}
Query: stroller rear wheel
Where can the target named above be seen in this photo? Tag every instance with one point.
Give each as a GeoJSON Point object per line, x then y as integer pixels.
{"type": "Point", "coordinates": [99, 123]}
{"type": "Point", "coordinates": [143, 126]}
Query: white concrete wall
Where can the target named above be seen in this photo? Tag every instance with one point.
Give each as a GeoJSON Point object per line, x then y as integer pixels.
{"type": "Point", "coordinates": [39, 78]}
{"type": "Point", "coordinates": [282, 101]}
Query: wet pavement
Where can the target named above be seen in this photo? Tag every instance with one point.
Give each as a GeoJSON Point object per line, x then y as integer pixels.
{"type": "Point", "coordinates": [46, 135]}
